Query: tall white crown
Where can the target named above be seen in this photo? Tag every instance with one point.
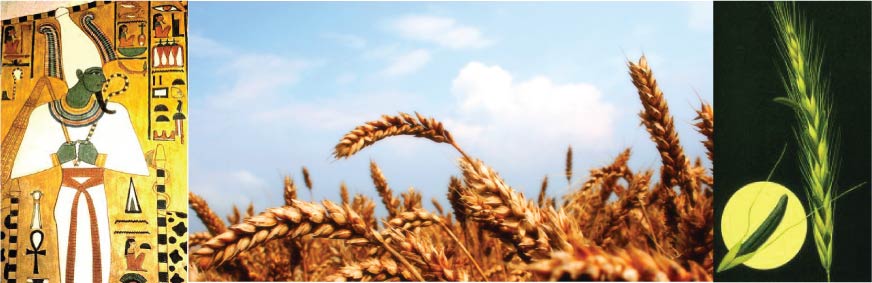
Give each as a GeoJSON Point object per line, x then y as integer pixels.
{"type": "Point", "coordinates": [78, 52]}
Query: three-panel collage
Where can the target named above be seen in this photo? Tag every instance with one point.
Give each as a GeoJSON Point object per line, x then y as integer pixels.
{"type": "Point", "coordinates": [176, 141]}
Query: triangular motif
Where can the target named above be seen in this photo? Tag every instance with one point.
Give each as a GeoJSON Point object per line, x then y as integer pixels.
{"type": "Point", "coordinates": [132, 200]}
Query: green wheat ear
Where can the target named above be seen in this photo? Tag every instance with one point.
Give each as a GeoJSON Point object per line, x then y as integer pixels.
{"type": "Point", "coordinates": [807, 95]}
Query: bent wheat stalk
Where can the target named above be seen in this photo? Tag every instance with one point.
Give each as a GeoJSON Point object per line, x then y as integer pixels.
{"type": "Point", "coordinates": [402, 124]}
{"type": "Point", "coordinates": [807, 95]}
{"type": "Point", "coordinates": [293, 221]}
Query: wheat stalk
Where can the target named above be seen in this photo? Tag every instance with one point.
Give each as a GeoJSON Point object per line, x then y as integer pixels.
{"type": "Point", "coordinates": [505, 212]}
{"type": "Point", "coordinates": [234, 217]}
{"type": "Point", "coordinates": [365, 207]}
{"type": "Point", "coordinates": [411, 199]}
{"type": "Point", "coordinates": [585, 263]}
{"type": "Point", "coordinates": [249, 212]}
{"type": "Point", "coordinates": [211, 220]}
{"type": "Point", "coordinates": [402, 124]}
{"type": "Point", "coordinates": [196, 239]}
{"type": "Point", "coordinates": [657, 120]}
{"type": "Point", "coordinates": [290, 191]}
{"type": "Point", "coordinates": [384, 191]}
{"type": "Point", "coordinates": [543, 191]}
{"type": "Point", "coordinates": [595, 237]}
{"type": "Point", "coordinates": [307, 179]}
{"type": "Point", "coordinates": [706, 127]}
{"type": "Point", "coordinates": [343, 193]}
{"type": "Point", "coordinates": [300, 219]}
{"type": "Point", "coordinates": [569, 165]}
{"type": "Point", "coordinates": [296, 220]}
{"type": "Point", "coordinates": [587, 201]}
{"type": "Point", "coordinates": [807, 93]}
{"type": "Point", "coordinates": [630, 199]}
{"type": "Point", "coordinates": [455, 186]}
{"type": "Point", "coordinates": [372, 269]}
{"type": "Point", "coordinates": [431, 260]}
{"type": "Point", "coordinates": [437, 205]}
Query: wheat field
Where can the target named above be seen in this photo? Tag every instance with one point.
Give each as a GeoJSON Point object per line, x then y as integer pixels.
{"type": "Point", "coordinates": [618, 225]}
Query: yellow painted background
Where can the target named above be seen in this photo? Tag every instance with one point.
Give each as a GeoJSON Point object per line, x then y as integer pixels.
{"type": "Point", "coordinates": [136, 100]}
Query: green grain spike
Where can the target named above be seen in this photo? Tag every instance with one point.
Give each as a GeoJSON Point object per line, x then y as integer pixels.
{"type": "Point", "coordinates": [745, 250]}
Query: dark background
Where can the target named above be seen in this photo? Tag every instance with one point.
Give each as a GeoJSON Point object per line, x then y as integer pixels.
{"type": "Point", "coordinates": [750, 129]}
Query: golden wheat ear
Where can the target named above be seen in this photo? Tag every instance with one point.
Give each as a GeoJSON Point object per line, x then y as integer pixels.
{"type": "Point", "coordinates": [290, 190]}
{"type": "Point", "coordinates": [388, 126]}
{"type": "Point", "coordinates": [591, 263]}
{"type": "Point", "coordinates": [706, 127]}
{"type": "Point", "coordinates": [569, 165]}
{"type": "Point", "coordinates": [658, 121]}
{"type": "Point", "coordinates": [384, 191]}
{"type": "Point", "coordinates": [211, 220]}
{"type": "Point", "coordinates": [299, 219]}
{"type": "Point", "coordinates": [507, 214]}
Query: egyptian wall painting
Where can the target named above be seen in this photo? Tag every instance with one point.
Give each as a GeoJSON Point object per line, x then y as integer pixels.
{"type": "Point", "coordinates": [94, 152]}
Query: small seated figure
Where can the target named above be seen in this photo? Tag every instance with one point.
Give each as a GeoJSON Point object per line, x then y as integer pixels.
{"type": "Point", "coordinates": [11, 43]}
{"type": "Point", "coordinates": [124, 39]}
{"type": "Point", "coordinates": [133, 255]}
{"type": "Point", "coordinates": [161, 29]}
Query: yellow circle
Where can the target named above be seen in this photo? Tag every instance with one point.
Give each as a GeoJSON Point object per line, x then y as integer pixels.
{"type": "Point", "coordinates": [742, 209]}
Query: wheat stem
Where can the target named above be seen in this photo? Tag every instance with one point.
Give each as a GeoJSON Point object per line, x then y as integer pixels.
{"type": "Point", "coordinates": [397, 255]}
{"type": "Point", "coordinates": [463, 248]}
{"type": "Point", "coordinates": [807, 94]}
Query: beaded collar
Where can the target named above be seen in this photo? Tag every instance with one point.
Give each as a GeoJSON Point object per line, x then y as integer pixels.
{"type": "Point", "coordinates": [73, 117]}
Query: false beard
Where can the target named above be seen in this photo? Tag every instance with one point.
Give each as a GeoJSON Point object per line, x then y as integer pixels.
{"type": "Point", "coordinates": [102, 102]}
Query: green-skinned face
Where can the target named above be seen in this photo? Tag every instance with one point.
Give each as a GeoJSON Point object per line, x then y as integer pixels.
{"type": "Point", "coordinates": [92, 78]}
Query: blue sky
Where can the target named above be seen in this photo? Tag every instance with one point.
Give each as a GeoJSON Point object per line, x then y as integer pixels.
{"type": "Point", "coordinates": [275, 85]}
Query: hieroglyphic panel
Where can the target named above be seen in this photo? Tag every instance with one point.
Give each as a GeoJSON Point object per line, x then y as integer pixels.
{"type": "Point", "coordinates": [94, 180]}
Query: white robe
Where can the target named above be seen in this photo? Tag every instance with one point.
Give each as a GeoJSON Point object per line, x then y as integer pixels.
{"type": "Point", "coordinates": [115, 137]}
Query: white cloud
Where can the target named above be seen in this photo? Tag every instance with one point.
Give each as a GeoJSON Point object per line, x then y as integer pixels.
{"type": "Point", "coordinates": [253, 76]}
{"type": "Point", "coordinates": [407, 63]}
{"type": "Point", "coordinates": [701, 16]}
{"type": "Point", "coordinates": [442, 31]}
{"type": "Point", "coordinates": [349, 40]}
{"type": "Point", "coordinates": [223, 189]}
{"type": "Point", "coordinates": [206, 47]}
{"type": "Point", "coordinates": [309, 115]}
{"type": "Point", "coordinates": [346, 78]}
{"type": "Point", "coordinates": [381, 52]}
{"type": "Point", "coordinates": [497, 113]}
{"type": "Point", "coordinates": [246, 179]}
{"type": "Point", "coordinates": [342, 112]}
